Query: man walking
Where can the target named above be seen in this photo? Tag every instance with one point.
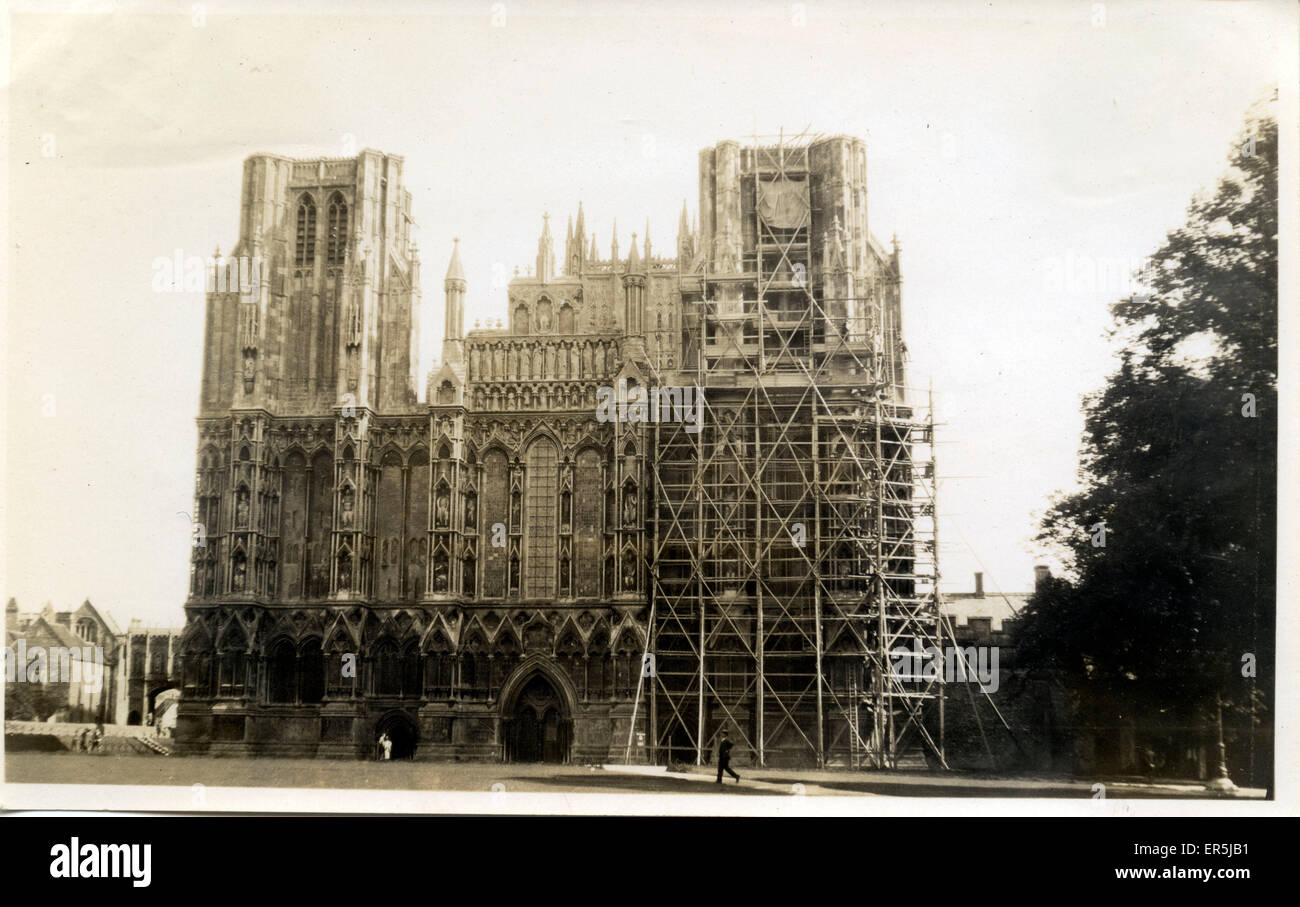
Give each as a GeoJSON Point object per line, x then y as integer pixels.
{"type": "Point", "coordinates": [724, 759]}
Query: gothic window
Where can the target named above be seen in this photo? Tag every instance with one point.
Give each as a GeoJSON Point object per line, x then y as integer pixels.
{"type": "Point", "coordinates": [337, 240]}
{"type": "Point", "coordinates": [566, 319]}
{"type": "Point", "coordinates": [598, 666]}
{"type": "Point", "coordinates": [293, 524]}
{"type": "Point", "coordinates": [282, 663]}
{"type": "Point", "coordinates": [306, 250]}
{"type": "Point", "coordinates": [475, 673]}
{"type": "Point", "coordinates": [539, 558]}
{"type": "Point", "coordinates": [320, 525]}
{"type": "Point", "coordinates": [521, 320]}
{"type": "Point", "coordinates": [495, 514]}
{"type": "Point", "coordinates": [566, 512]}
{"type": "Point", "coordinates": [337, 685]}
{"type": "Point", "coordinates": [410, 670]}
{"type": "Point", "coordinates": [386, 674]}
{"type": "Point", "coordinates": [569, 655]}
{"type": "Point", "coordinates": [504, 659]}
{"type": "Point", "coordinates": [417, 523]}
{"type": "Point", "coordinates": [388, 513]}
{"type": "Point", "coordinates": [625, 672]}
{"type": "Point", "coordinates": [196, 670]}
{"type": "Point", "coordinates": [311, 662]}
{"type": "Point", "coordinates": [232, 667]}
{"type": "Point", "coordinates": [439, 666]}
{"type": "Point", "coordinates": [586, 523]}
{"type": "Point", "coordinates": [87, 630]}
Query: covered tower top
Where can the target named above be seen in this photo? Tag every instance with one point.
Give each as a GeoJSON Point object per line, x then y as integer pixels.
{"type": "Point", "coordinates": [454, 269]}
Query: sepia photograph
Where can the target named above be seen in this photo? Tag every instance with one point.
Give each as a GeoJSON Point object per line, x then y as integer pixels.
{"type": "Point", "coordinates": [566, 408]}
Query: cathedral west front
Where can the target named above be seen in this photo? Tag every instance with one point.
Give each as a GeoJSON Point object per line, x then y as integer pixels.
{"type": "Point", "coordinates": [470, 574]}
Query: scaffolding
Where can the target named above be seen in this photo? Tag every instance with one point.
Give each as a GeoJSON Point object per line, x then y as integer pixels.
{"type": "Point", "coordinates": [794, 538]}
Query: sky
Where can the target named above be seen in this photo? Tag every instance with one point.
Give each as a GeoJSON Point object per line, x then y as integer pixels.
{"type": "Point", "coordinates": [1027, 156]}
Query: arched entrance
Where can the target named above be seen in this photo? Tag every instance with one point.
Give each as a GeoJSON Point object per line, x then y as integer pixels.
{"type": "Point", "coordinates": [402, 730]}
{"type": "Point", "coordinates": [535, 723]}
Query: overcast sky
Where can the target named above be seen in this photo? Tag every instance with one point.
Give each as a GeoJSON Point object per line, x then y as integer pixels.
{"type": "Point", "coordinates": [1011, 147]}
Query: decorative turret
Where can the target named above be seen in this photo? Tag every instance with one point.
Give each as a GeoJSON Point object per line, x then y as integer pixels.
{"type": "Point", "coordinates": [578, 250]}
{"type": "Point", "coordinates": [545, 252]}
{"type": "Point", "coordinates": [634, 282]}
{"type": "Point", "coordinates": [613, 246]}
{"type": "Point", "coordinates": [570, 262]}
{"type": "Point", "coordinates": [685, 243]}
{"type": "Point", "coordinates": [634, 259]}
{"type": "Point", "coordinates": [455, 284]}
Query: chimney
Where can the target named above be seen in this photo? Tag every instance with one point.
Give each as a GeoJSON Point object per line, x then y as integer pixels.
{"type": "Point", "coordinates": [979, 585]}
{"type": "Point", "coordinates": [1042, 573]}
{"type": "Point", "coordinates": [64, 618]}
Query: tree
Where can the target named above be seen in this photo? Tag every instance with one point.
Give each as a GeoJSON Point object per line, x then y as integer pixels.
{"type": "Point", "coordinates": [1170, 543]}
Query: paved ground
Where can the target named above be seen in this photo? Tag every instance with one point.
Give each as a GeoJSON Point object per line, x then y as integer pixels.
{"type": "Point", "coordinates": [74, 768]}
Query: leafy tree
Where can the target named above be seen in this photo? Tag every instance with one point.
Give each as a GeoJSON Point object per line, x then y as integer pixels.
{"type": "Point", "coordinates": [1179, 467]}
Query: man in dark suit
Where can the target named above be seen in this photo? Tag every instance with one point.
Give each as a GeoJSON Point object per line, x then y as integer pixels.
{"type": "Point", "coordinates": [724, 759]}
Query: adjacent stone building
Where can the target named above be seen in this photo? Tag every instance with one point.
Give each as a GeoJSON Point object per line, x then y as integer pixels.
{"type": "Point", "coordinates": [43, 688]}
{"type": "Point", "coordinates": [139, 665]}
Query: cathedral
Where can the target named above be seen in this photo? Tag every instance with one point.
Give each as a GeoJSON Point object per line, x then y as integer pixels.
{"type": "Point", "coordinates": [475, 574]}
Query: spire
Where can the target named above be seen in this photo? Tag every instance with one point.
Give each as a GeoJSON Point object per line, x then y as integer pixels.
{"type": "Point", "coordinates": [593, 255]}
{"type": "Point", "coordinates": [685, 244]}
{"type": "Point", "coordinates": [581, 229]}
{"type": "Point", "coordinates": [454, 286]}
{"type": "Point", "coordinates": [545, 252]}
{"type": "Point", "coordinates": [646, 252]}
{"type": "Point", "coordinates": [613, 246]}
{"type": "Point", "coordinates": [633, 260]}
{"type": "Point", "coordinates": [569, 260]}
{"type": "Point", "coordinates": [454, 269]}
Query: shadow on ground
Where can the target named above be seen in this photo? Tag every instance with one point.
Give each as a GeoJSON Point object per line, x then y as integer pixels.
{"type": "Point", "coordinates": [638, 784]}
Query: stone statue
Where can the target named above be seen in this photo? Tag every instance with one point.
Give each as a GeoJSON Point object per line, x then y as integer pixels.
{"type": "Point", "coordinates": [345, 509]}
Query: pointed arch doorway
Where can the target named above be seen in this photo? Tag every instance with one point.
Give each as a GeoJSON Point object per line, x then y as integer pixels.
{"type": "Point", "coordinates": [402, 731]}
{"type": "Point", "coordinates": [536, 721]}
